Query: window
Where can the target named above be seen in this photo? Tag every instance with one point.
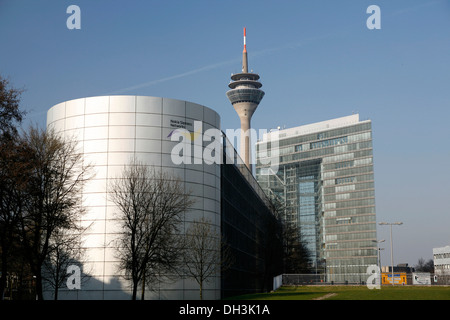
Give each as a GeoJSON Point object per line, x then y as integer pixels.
{"type": "Point", "coordinates": [345, 164]}
{"type": "Point", "coordinates": [345, 180]}
{"type": "Point", "coordinates": [343, 220]}
{"type": "Point", "coordinates": [306, 187]}
{"type": "Point", "coordinates": [328, 143]}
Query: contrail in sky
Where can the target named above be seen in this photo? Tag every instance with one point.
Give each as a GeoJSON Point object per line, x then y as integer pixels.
{"type": "Point", "coordinates": [180, 75]}
{"type": "Point", "coordinates": [262, 52]}
{"type": "Point", "coordinates": [259, 53]}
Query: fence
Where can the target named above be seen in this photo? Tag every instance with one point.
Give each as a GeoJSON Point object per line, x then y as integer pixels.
{"type": "Point", "coordinates": [349, 279]}
{"type": "Point", "coordinates": [298, 280]}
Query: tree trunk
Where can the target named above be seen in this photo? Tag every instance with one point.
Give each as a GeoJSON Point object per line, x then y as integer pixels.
{"type": "Point", "coordinates": [143, 287]}
{"type": "Point", "coordinates": [3, 278]}
{"type": "Point", "coordinates": [39, 294]}
{"type": "Point", "coordinates": [135, 284]}
{"type": "Point", "coordinates": [56, 292]}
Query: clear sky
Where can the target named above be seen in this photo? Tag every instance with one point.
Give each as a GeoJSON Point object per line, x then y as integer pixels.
{"type": "Point", "coordinates": [317, 61]}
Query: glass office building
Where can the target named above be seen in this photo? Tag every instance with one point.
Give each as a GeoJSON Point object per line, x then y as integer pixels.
{"type": "Point", "coordinates": [325, 181]}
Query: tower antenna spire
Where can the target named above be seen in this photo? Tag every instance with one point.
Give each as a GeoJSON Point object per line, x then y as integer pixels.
{"type": "Point", "coordinates": [245, 44]}
{"type": "Point", "coordinates": [244, 54]}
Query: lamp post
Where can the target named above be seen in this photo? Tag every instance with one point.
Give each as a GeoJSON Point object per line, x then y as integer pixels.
{"type": "Point", "coordinates": [379, 257]}
{"type": "Point", "coordinates": [390, 224]}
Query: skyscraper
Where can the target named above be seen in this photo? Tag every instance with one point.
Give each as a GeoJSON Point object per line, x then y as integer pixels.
{"type": "Point", "coordinates": [326, 182]}
{"type": "Point", "coordinates": [245, 95]}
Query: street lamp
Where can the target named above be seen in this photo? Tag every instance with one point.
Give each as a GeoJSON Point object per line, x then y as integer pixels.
{"type": "Point", "coordinates": [379, 257]}
{"type": "Point", "coordinates": [390, 224]}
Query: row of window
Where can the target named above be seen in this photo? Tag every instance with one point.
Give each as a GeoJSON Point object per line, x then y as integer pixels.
{"type": "Point", "coordinates": [332, 133]}
{"type": "Point", "coordinates": [345, 265]}
{"type": "Point", "coordinates": [349, 188]}
{"type": "Point", "coordinates": [351, 244]}
{"type": "Point", "coordinates": [350, 195]}
{"type": "Point", "coordinates": [350, 203]}
{"type": "Point", "coordinates": [347, 164]}
{"type": "Point", "coordinates": [347, 172]}
{"type": "Point", "coordinates": [359, 178]}
{"type": "Point", "coordinates": [264, 152]}
{"type": "Point", "coordinates": [344, 164]}
{"type": "Point", "coordinates": [441, 266]}
{"type": "Point", "coordinates": [328, 143]}
{"type": "Point", "coordinates": [351, 236]}
{"type": "Point", "coordinates": [350, 220]}
{"type": "Point", "coordinates": [348, 212]}
{"type": "Point", "coordinates": [351, 227]}
{"type": "Point", "coordinates": [347, 156]}
{"type": "Point", "coordinates": [320, 153]}
{"type": "Point", "coordinates": [351, 253]}
{"type": "Point", "coordinates": [442, 255]}
{"type": "Point", "coordinates": [325, 155]}
{"type": "Point", "coordinates": [344, 180]}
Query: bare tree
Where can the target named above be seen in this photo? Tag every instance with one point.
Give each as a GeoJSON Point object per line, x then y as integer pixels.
{"type": "Point", "coordinates": [205, 254]}
{"type": "Point", "coordinates": [425, 266]}
{"type": "Point", "coordinates": [12, 173]}
{"type": "Point", "coordinates": [150, 206]}
{"type": "Point", "coordinates": [296, 256]}
{"type": "Point", "coordinates": [10, 113]}
{"type": "Point", "coordinates": [53, 195]}
{"type": "Point", "coordinates": [65, 250]}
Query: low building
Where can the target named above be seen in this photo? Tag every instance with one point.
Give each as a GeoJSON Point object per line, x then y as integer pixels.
{"type": "Point", "coordinates": [402, 274]}
{"type": "Point", "coordinates": [441, 258]}
{"type": "Point", "coordinates": [399, 278]}
{"type": "Point", "coordinates": [401, 267]}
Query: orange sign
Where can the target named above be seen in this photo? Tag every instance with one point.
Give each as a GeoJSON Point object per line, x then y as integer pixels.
{"type": "Point", "coordinates": [399, 278]}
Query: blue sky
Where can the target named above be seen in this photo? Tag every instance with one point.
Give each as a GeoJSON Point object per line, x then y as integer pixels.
{"type": "Point", "coordinates": [317, 61]}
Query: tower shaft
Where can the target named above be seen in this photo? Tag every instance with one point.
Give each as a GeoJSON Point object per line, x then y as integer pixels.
{"type": "Point", "coordinates": [245, 111]}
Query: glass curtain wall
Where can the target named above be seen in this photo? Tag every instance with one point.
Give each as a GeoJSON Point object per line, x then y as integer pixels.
{"type": "Point", "coordinates": [326, 182]}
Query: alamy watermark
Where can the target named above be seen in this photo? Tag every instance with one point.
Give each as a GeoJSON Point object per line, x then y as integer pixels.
{"type": "Point", "coordinates": [192, 149]}
{"type": "Point", "coordinates": [74, 279]}
{"type": "Point", "coordinates": [374, 21]}
{"type": "Point", "coordinates": [74, 20]}
{"type": "Point", "coordinates": [374, 280]}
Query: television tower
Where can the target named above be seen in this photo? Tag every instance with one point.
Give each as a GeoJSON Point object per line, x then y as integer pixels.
{"type": "Point", "coordinates": [245, 96]}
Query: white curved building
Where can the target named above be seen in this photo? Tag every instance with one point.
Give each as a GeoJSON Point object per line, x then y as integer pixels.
{"type": "Point", "coordinates": [111, 130]}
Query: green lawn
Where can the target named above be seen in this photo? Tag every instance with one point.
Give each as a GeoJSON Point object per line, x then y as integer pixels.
{"type": "Point", "coordinates": [353, 293]}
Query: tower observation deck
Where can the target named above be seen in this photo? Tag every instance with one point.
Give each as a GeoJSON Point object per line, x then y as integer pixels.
{"type": "Point", "coordinates": [245, 96]}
